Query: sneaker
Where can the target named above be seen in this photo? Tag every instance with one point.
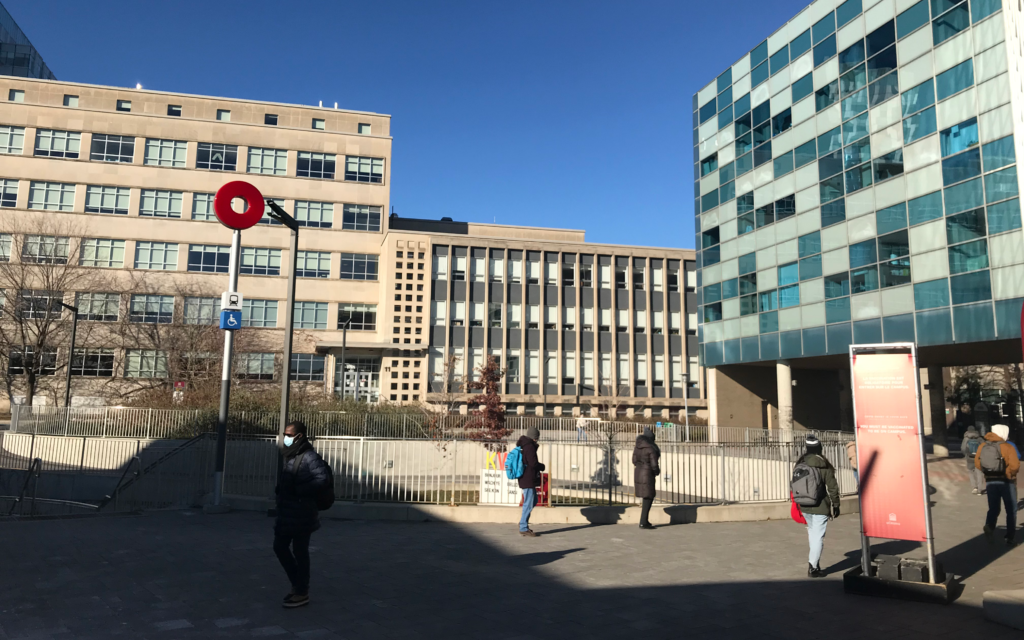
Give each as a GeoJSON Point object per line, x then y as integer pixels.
{"type": "Point", "coordinates": [814, 572]}
{"type": "Point", "coordinates": [646, 525]}
{"type": "Point", "coordinates": [295, 600]}
{"type": "Point", "coordinates": [528, 533]}
{"type": "Point", "coordinates": [1011, 543]}
{"type": "Point", "coordinates": [988, 532]}
{"type": "Point", "coordinates": [975, 491]}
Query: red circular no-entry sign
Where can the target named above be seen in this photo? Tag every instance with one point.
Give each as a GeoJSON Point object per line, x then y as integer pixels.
{"type": "Point", "coordinates": [231, 218]}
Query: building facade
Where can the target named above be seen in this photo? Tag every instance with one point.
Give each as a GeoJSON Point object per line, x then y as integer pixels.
{"type": "Point", "coordinates": [18, 57]}
{"type": "Point", "coordinates": [855, 182]}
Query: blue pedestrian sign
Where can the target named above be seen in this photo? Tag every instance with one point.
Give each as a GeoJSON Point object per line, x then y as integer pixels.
{"type": "Point", "coordinates": [230, 319]}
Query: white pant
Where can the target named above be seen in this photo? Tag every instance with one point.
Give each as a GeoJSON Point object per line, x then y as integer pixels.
{"type": "Point", "coordinates": [816, 525]}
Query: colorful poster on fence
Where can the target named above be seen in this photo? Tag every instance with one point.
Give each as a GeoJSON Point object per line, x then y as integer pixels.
{"type": "Point", "coordinates": [888, 446]}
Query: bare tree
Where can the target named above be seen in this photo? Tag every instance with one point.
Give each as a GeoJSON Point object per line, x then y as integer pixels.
{"type": "Point", "coordinates": [43, 263]}
{"type": "Point", "coordinates": [447, 391]}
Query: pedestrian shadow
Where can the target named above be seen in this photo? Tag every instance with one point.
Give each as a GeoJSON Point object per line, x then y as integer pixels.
{"type": "Point", "coordinates": [568, 529]}
{"type": "Point", "coordinates": [890, 548]}
{"type": "Point", "coordinates": [971, 556]}
{"type": "Point", "coordinates": [542, 557]}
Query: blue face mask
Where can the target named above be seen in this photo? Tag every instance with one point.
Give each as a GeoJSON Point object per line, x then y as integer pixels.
{"type": "Point", "coordinates": [288, 440]}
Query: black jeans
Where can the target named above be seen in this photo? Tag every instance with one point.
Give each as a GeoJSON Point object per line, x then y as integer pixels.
{"type": "Point", "coordinates": [1005, 493]}
{"type": "Point", "coordinates": [645, 509]}
{"type": "Point", "coordinates": [296, 566]}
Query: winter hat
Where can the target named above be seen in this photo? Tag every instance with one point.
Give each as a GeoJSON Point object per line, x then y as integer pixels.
{"type": "Point", "coordinates": [648, 433]}
{"type": "Point", "coordinates": [813, 444]}
{"type": "Point", "coordinates": [533, 433]}
{"type": "Point", "coordinates": [1001, 430]}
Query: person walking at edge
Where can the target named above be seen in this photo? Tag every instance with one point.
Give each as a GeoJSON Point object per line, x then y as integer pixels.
{"type": "Point", "coordinates": [302, 476]}
{"type": "Point", "coordinates": [998, 460]}
{"type": "Point", "coordinates": [851, 455]}
{"type": "Point", "coordinates": [530, 479]}
{"type": "Point", "coordinates": [969, 447]}
{"type": "Point", "coordinates": [646, 458]}
{"type": "Point", "coordinates": [818, 515]}
{"type": "Point", "coordinates": [581, 429]}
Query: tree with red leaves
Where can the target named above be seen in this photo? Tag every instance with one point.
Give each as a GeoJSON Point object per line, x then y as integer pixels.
{"type": "Point", "coordinates": [488, 423]}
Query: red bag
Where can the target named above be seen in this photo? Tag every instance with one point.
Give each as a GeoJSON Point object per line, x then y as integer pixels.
{"type": "Point", "coordinates": [795, 513]}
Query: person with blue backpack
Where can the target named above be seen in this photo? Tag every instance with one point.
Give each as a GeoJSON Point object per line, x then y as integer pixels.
{"type": "Point", "coordinates": [969, 447]}
{"type": "Point", "coordinates": [522, 464]}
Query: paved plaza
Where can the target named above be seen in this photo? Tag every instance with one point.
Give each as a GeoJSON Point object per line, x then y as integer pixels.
{"type": "Point", "coordinates": [188, 575]}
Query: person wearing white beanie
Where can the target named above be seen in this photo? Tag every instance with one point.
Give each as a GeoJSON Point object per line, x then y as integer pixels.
{"type": "Point", "coordinates": [999, 460]}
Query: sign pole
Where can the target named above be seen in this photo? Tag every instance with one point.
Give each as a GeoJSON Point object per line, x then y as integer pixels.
{"type": "Point", "coordinates": [289, 323]}
{"type": "Point", "coordinates": [930, 541]}
{"type": "Point", "coordinates": [865, 541]}
{"type": "Point", "coordinates": [225, 377]}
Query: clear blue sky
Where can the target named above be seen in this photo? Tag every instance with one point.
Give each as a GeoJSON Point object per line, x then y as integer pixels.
{"type": "Point", "coordinates": [565, 114]}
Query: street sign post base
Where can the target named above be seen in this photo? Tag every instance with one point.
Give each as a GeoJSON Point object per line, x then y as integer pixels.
{"type": "Point", "coordinates": [855, 582]}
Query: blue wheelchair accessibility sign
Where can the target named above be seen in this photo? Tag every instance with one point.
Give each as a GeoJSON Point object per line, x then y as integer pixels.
{"type": "Point", "coordinates": [230, 320]}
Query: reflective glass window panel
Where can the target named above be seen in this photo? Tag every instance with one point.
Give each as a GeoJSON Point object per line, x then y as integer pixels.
{"type": "Point", "coordinates": [744, 144]}
{"type": "Point", "coordinates": [748, 263]}
{"type": "Point", "coordinates": [891, 218]}
{"type": "Point", "coordinates": [824, 27]}
{"type": "Point", "coordinates": [779, 60]}
{"type": "Point", "coordinates": [865, 279]}
{"type": "Point", "coordinates": [966, 226]}
{"type": "Point", "coordinates": [789, 296]}
{"type": "Point", "coordinates": [919, 125]}
{"type": "Point", "coordinates": [803, 88]}
{"type": "Point", "coordinates": [762, 154]}
{"type": "Point", "coordinates": [998, 153]}
{"type": "Point", "coordinates": [762, 132]}
{"type": "Point", "coordinates": [847, 11]}
{"type": "Point", "coordinates": [1004, 216]}
{"type": "Point", "coordinates": [759, 54]}
{"type": "Point", "coordinates": [831, 189]}
{"type": "Point", "coordinates": [742, 105]}
{"type": "Point", "coordinates": [782, 122]}
{"type": "Point", "coordinates": [709, 201]}
{"type": "Point", "coordinates": [959, 137]}
{"type": "Point", "coordinates": [863, 253]}
{"type": "Point", "coordinates": [744, 164]}
{"type": "Point", "coordinates": [881, 38]}
{"type": "Point", "coordinates": [748, 283]}
{"type": "Point", "coordinates": [855, 104]}
{"type": "Point", "coordinates": [826, 96]}
{"type": "Point", "coordinates": [759, 74]}
{"type": "Point", "coordinates": [971, 287]}
{"type": "Point", "coordinates": [729, 289]}
{"type": "Point", "coordinates": [853, 80]}
{"type": "Point", "coordinates": [889, 166]}
{"type": "Point", "coordinates": [743, 124]}
{"type": "Point", "coordinates": [769, 322]}
{"type": "Point", "coordinates": [951, 23]}
{"type": "Point", "coordinates": [894, 273]}
{"type": "Point", "coordinates": [783, 164]}
{"type": "Point", "coordinates": [912, 19]}
{"type": "Point", "coordinates": [925, 208]}
{"type": "Point", "coordinates": [748, 305]}
{"type": "Point", "coordinates": [824, 51]}
{"type": "Point", "coordinates": [713, 312]}
{"type": "Point", "coordinates": [727, 172]}
{"type": "Point", "coordinates": [713, 293]}
{"type": "Point", "coordinates": [789, 273]}
{"type": "Point", "coordinates": [969, 256]}
{"type": "Point", "coordinates": [855, 129]}
{"type": "Point", "coordinates": [805, 154]}
{"type": "Point", "coordinates": [851, 57]}
{"type": "Point", "coordinates": [961, 167]}
{"type": "Point", "coordinates": [981, 9]}
{"type": "Point", "coordinates": [882, 90]}
{"type": "Point", "coordinates": [833, 212]}
{"type": "Point", "coordinates": [708, 110]}
{"type": "Point", "coordinates": [857, 153]}
{"type": "Point", "coordinates": [765, 215]}
{"type": "Point", "coordinates": [785, 207]}
{"type": "Point", "coordinates": [725, 97]}
{"type": "Point", "coordinates": [761, 113]}
{"type": "Point", "coordinates": [837, 285]}
{"type": "Point", "coordinates": [1001, 185]}
{"type": "Point", "coordinates": [745, 203]}
{"type": "Point", "coordinates": [810, 267]}
{"type": "Point", "coordinates": [830, 141]}
{"type": "Point", "coordinates": [964, 196]}
{"type": "Point", "coordinates": [837, 310]}
{"type": "Point", "coordinates": [725, 118]}
{"type": "Point", "coordinates": [931, 294]}
{"type": "Point", "coordinates": [857, 179]}
{"type": "Point", "coordinates": [882, 64]}
{"type": "Point", "coordinates": [725, 80]}
{"type": "Point", "coordinates": [708, 164]}
{"type": "Point", "coordinates": [800, 45]}
{"type": "Point", "coordinates": [809, 244]}
{"type": "Point", "coordinates": [767, 301]}
{"type": "Point", "coordinates": [954, 80]}
{"type": "Point", "coordinates": [919, 97]}
{"type": "Point", "coordinates": [893, 245]}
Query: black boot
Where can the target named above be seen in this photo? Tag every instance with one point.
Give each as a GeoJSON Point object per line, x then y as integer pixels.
{"type": "Point", "coordinates": [814, 572]}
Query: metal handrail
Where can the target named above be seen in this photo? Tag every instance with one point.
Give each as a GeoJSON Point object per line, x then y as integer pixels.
{"type": "Point", "coordinates": [37, 465]}
{"type": "Point", "coordinates": [117, 489]}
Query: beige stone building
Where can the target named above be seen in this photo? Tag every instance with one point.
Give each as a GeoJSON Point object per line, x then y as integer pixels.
{"type": "Point", "coordinates": [120, 183]}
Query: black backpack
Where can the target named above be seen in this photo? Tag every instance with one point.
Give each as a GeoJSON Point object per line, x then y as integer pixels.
{"type": "Point", "coordinates": [807, 485]}
{"type": "Point", "coordinates": [991, 460]}
{"type": "Point", "coordinates": [325, 497]}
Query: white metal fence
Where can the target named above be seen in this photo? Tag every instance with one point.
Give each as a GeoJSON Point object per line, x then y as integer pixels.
{"type": "Point", "coordinates": [151, 424]}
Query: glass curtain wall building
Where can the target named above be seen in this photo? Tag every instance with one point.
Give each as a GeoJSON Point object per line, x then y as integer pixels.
{"type": "Point", "coordinates": [856, 181]}
{"type": "Point", "coordinates": [17, 55]}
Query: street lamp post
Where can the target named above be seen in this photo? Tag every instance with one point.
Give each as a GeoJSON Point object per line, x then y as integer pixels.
{"type": "Point", "coordinates": [344, 340]}
{"type": "Point", "coordinates": [71, 352]}
{"type": "Point", "coordinates": [279, 214]}
{"type": "Point", "coordinates": [686, 402]}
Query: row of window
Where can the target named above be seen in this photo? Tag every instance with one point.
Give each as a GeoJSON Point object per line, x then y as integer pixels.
{"type": "Point", "coordinates": [161, 309]}
{"type": "Point", "coordinates": [491, 315]}
{"type": "Point", "coordinates": [158, 203]}
{"type": "Point", "coordinates": [53, 143]}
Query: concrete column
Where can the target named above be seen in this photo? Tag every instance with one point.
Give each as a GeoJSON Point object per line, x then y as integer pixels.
{"type": "Point", "coordinates": [845, 401]}
{"type": "Point", "coordinates": [713, 416]}
{"type": "Point", "coordinates": [784, 376]}
{"type": "Point", "coordinates": [937, 411]}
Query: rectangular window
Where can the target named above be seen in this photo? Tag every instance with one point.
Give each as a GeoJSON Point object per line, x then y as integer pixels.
{"type": "Point", "coordinates": [203, 311]}
{"type": "Point", "coordinates": [310, 315]}
{"type": "Point", "coordinates": [16, 95]}
{"type": "Point", "coordinates": [102, 252]}
{"type": "Point", "coordinates": [313, 264]}
{"type": "Point", "coordinates": [260, 261]}
{"type": "Point", "coordinates": [12, 140]}
{"type": "Point", "coordinates": [160, 204]}
{"type": "Point", "coordinates": [362, 317]}
{"type": "Point", "coordinates": [202, 207]}
{"type": "Point", "coordinates": [319, 124]}
{"type": "Point", "coordinates": [58, 144]}
{"type": "Point", "coordinates": [98, 307]}
{"type": "Point", "coordinates": [158, 256]}
{"type": "Point", "coordinates": [38, 304]}
{"type": "Point", "coordinates": [273, 162]}
{"type": "Point", "coordinates": [208, 258]}
{"type": "Point", "coordinates": [45, 250]}
{"type": "Point", "coordinates": [360, 217]}
{"type": "Point", "coordinates": [319, 215]}
{"type": "Point", "coordinates": [361, 169]}
{"type": "Point", "coordinates": [93, 363]}
{"type": "Point", "coordinates": [315, 165]}
{"type": "Point", "coordinates": [22, 359]}
{"type": "Point", "coordinates": [912, 19]}
{"type": "Point", "coordinates": [515, 315]}
{"type": "Point", "coordinates": [440, 267]}
{"type": "Point", "coordinates": [359, 266]}
{"type": "Point", "coordinates": [109, 148]}
{"type": "Point", "coordinates": [270, 119]}
{"type": "Point", "coordinates": [950, 23]}
{"type": "Point", "coordinates": [166, 153]}
{"type": "Point", "coordinates": [51, 196]}
{"type": "Point", "coordinates": [123, 105]}
{"type": "Point", "coordinates": [255, 366]}
{"type": "Point", "coordinates": [259, 313]}
{"type": "Point", "coordinates": [954, 80]}
{"type": "Point", "coordinates": [152, 309]}
{"type": "Point", "coordinates": [223, 115]}
{"type": "Point", "coordinates": [216, 157]}
{"type": "Point", "coordinates": [970, 256]}
{"type": "Point", "coordinates": [9, 193]}
{"type": "Point", "coordinates": [174, 110]}
{"type": "Point", "coordinates": [112, 200]}
{"type": "Point", "coordinates": [959, 137]}
{"type": "Point", "coordinates": [307, 367]}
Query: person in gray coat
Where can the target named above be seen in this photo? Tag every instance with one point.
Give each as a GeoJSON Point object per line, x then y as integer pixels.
{"type": "Point", "coordinates": [969, 447]}
{"type": "Point", "coordinates": [646, 466]}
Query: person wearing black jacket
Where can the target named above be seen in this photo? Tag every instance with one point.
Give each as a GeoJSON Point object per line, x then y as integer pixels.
{"type": "Point", "coordinates": [646, 459]}
{"type": "Point", "coordinates": [530, 479]}
{"type": "Point", "coordinates": [302, 477]}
